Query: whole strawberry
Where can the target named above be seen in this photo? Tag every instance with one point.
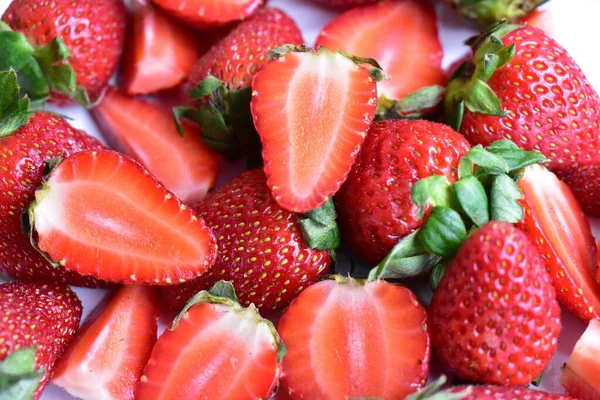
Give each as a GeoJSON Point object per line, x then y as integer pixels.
{"type": "Point", "coordinates": [261, 247]}
{"type": "Point", "coordinates": [23, 157]}
{"type": "Point", "coordinates": [486, 12]}
{"type": "Point", "coordinates": [68, 41]}
{"type": "Point", "coordinates": [38, 323]}
{"type": "Point", "coordinates": [532, 92]}
{"type": "Point", "coordinates": [374, 204]}
{"type": "Point", "coordinates": [494, 317]}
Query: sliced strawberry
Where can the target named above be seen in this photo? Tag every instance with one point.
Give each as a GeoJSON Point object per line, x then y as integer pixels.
{"type": "Point", "coordinates": [215, 349]}
{"type": "Point", "coordinates": [108, 355]}
{"type": "Point", "coordinates": [541, 19]}
{"type": "Point", "coordinates": [312, 110]}
{"type": "Point", "coordinates": [102, 214]}
{"type": "Point", "coordinates": [160, 53]}
{"type": "Point", "coordinates": [146, 132]}
{"type": "Point", "coordinates": [555, 222]}
{"type": "Point", "coordinates": [401, 35]}
{"type": "Point", "coordinates": [346, 340]}
{"type": "Point", "coordinates": [581, 372]}
{"type": "Point", "coordinates": [210, 13]}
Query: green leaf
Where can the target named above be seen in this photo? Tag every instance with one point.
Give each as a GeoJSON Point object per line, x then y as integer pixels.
{"type": "Point", "coordinates": [179, 113]}
{"type": "Point", "coordinates": [504, 194]}
{"type": "Point", "coordinates": [483, 158]}
{"type": "Point", "coordinates": [206, 87]}
{"type": "Point", "coordinates": [443, 233]}
{"type": "Point", "coordinates": [434, 190]}
{"type": "Point", "coordinates": [480, 98]}
{"type": "Point", "coordinates": [18, 376]}
{"type": "Point", "coordinates": [11, 124]}
{"type": "Point", "coordinates": [53, 53]}
{"type": "Point", "coordinates": [33, 82]}
{"type": "Point", "coordinates": [437, 273]}
{"type": "Point", "coordinates": [282, 50]}
{"type": "Point", "coordinates": [9, 93]}
{"type": "Point", "coordinates": [454, 110]}
{"type": "Point", "coordinates": [223, 289]}
{"type": "Point", "coordinates": [15, 49]}
{"type": "Point", "coordinates": [515, 157]}
{"type": "Point", "coordinates": [432, 392]}
{"type": "Point", "coordinates": [472, 199]}
{"type": "Point", "coordinates": [465, 168]}
{"type": "Point", "coordinates": [241, 122]}
{"type": "Point", "coordinates": [320, 229]}
{"type": "Point", "coordinates": [415, 105]}
{"type": "Point", "coordinates": [215, 132]}
{"type": "Point", "coordinates": [62, 78]}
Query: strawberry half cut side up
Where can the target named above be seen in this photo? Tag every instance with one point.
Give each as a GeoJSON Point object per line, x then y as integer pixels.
{"type": "Point", "coordinates": [312, 110]}
{"type": "Point", "coordinates": [580, 373]}
{"type": "Point", "coordinates": [210, 13]}
{"type": "Point", "coordinates": [215, 349]}
{"type": "Point", "coordinates": [555, 222]}
{"type": "Point", "coordinates": [102, 214]}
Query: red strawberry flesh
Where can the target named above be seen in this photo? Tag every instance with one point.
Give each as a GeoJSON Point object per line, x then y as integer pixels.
{"type": "Point", "coordinates": [580, 374]}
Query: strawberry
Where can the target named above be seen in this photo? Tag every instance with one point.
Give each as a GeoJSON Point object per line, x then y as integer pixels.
{"type": "Point", "coordinates": [297, 97]}
{"type": "Point", "coordinates": [401, 35]}
{"type": "Point", "coordinates": [555, 223]}
{"type": "Point", "coordinates": [145, 131]}
{"type": "Point", "coordinates": [486, 12]}
{"type": "Point", "coordinates": [68, 47]}
{"type": "Point", "coordinates": [580, 373]}
{"type": "Point", "coordinates": [374, 204]}
{"type": "Point", "coordinates": [160, 52]}
{"type": "Point", "coordinates": [210, 13]}
{"type": "Point", "coordinates": [108, 354]}
{"type": "Point", "coordinates": [39, 321]}
{"type": "Point", "coordinates": [27, 141]}
{"type": "Point", "coordinates": [494, 317]}
{"type": "Point", "coordinates": [102, 214]}
{"type": "Point", "coordinates": [351, 339]}
{"type": "Point", "coordinates": [342, 4]}
{"type": "Point", "coordinates": [541, 19]}
{"type": "Point", "coordinates": [261, 247]}
{"type": "Point", "coordinates": [232, 352]}
{"type": "Point", "coordinates": [535, 94]}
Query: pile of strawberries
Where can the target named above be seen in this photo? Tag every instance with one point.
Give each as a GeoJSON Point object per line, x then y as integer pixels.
{"type": "Point", "coordinates": [474, 181]}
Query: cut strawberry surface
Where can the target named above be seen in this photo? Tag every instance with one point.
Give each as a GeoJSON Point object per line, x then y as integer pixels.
{"type": "Point", "coordinates": [108, 355]}
{"type": "Point", "coordinates": [401, 35]}
{"type": "Point", "coordinates": [312, 110]}
{"type": "Point", "coordinates": [555, 222]}
{"type": "Point", "coordinates": [102, 214]}
{"type": "Point", "coordinates": [208, 13]}
{"type": "Point", "coordinates": [146, 132]}
{"type": "Point", "coordinates": [161, 51]}
{"type": "Point", "coordinates": [346, 339]}
{"type": "Point", "coordinates": [580, 374]}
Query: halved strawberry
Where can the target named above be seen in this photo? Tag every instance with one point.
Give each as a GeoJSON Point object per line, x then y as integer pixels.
{"type": "Point", "coordinates": [108, 355]}
{"type": "Point", "coordinates": [160, 51]}
{"type": "Point", "coordinates": [581, 372]}
{"type": "Point", "coordinates": [348, 339]}
{"type": "Point", "coordinates": [312, 110]}
{"type": "Point", "coordinates": [555, 222]}
{"type": "Point", "coordinates": [215, 349]}
{"type": "Point", "coordinates": [209, 13]}
{"type": "Point", "coordinates": [102, 214]}
{"type": "Point", "coordinates": [401, 35]}
{"type": "Point", "coordinates": [146, 132]}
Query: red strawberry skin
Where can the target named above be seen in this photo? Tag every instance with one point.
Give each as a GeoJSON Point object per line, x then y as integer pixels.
{"type": "Point", "coordinates": [38, 314]}
{"type": "Point", "coordinates": [210, 13]}
{"type": "Point", "coordinates": [374, 205]}
{"type": "Point", "coordinates": [494, 318]}
{"type": "Point", "coordinates": [551, 107]}
{"type": "Point", "coordinates": [93, 30]}
{"type": "Point", "coordinates": [22, 160]}
{"type": "Point", "coordinates": [242, 53]}
{"type": "Point", "coordinates": [507, 393]}
{"type": "Point", "coordinates": [261, 248]}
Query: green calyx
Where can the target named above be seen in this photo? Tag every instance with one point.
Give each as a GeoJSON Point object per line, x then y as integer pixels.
{"type": "Point", "coordinates": [418, 105]}
{"type": "Point", "coordinates": [14, 108]}
{"type": "Point", "coordinates": [19, 378]}
{"type": "Point", "coordinates": [41, 70]}
{"type": "Point", "coordinates": [319, 228]}
{"type": "Point", "coordinates": [486, 190]}
{"type": "Point", "coordinates": [485, 12]}
{"type": "Point", "coordinates": [468, 86]}
{"type": "Point", "coordinates": [433, 392]}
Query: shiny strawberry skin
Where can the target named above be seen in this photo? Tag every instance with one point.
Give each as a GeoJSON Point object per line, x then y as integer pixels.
{"type": "Point", "coordinates": [22, 160]}
{"type": "Point", "coordinates": [242, 53]}
{"type": "Point", "coordinates": [210, 13]}
{"type": "Point", "coordinates": [494, 317]}
{"type": "Point", "coordinates": [374, 204]}
{"type": "Point", "coordinates": [507, 393]}
{"type": "Point", "coordinates": [261, 248]}
{"type": "Point", "coordinates": [38, 314]}
{"type": "Point", "coordinates": [93, 30]}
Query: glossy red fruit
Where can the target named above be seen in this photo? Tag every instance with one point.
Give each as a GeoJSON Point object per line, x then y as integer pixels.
{"type": "Point", "coordinates": [108, 354]}
{"type": "Point", "coordinates": [38, 314]}
{"type": "Point", "coordinates": [507, 393]}
{"type": "Point", "coordinates": [401, 35]}
{"type": "Point", "coordinates": [349, 339]}
{"type": "Point", "coordinates": [146, 132]}
{"type": "Point", "coordinates": [374, 205]}
{"type": "Point", "coordinates": [160, 52]}
{"type": "Point", "coordinates": [102, 214]}
{"type": "Point", "coordinates": [494, 317]}
{"type": "Point", "coordinates": [296, 98]}
{"type": "Point", "coordinates": [342, 4]}
{"type": "Point", "coordinates": [261, 247]}
{"type": "Point", "coordinates": [210, 13]}
{"type": "Point", "coordinates": [580, 373]}
{"type": "Point", "coordinates": [22, 160]}
{"type": "Point", "coordinates": [557, 226]}
{"type": "Point", "coordinates": [215, 349]}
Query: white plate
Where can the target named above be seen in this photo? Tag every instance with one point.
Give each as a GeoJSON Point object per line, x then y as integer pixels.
{"type": "Point", "coordinates": [575, 29]}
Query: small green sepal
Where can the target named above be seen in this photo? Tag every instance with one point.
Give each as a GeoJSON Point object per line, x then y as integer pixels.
{"type": "Point", "coordinates": [418, 105]}
{"type": "Point", "coordinates": [14, 109]}
{"type": "Point", "coordinates": [443, 233]}
{"type": "Point", "coordinates": [19, 377]}
{"type": "Point", "coordinates": [432, 392]}
{"type": "Point", "coordinates": [319, 227]}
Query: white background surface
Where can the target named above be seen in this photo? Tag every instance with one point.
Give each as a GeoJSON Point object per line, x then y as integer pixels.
{"type": "Point", "coordinates": [575, 28]}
